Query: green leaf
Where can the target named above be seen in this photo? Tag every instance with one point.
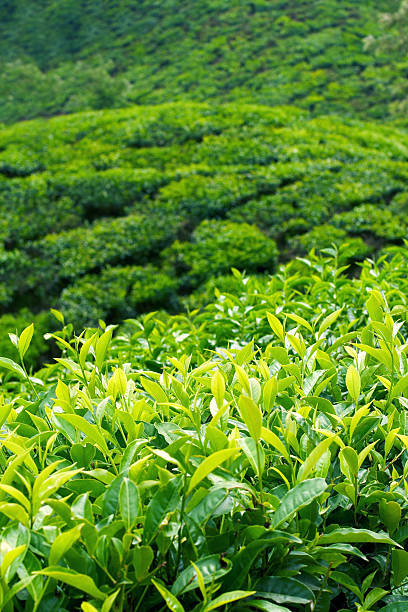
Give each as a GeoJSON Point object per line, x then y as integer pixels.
{"type": "Point", "coordinates": [399, 565]}
{"type": "Point", "coordinates": [89, 429]}
{"type": "Point", "coordinates": [79, 581]}
{"type": "Point", "coordinates": [210, 464]}
{"type": "Point", "coordinates": [218, 388]}
{"type": "Point", "coordinates": [171, 601]}
{"type": "Point", "coordinates": [349, 462]}
{"type": "Point", "coordinates": [142, 559]}
{"type": "Point", "coordinates": [10, 557]}
{"type": "Point", "coordinates": [374, 596]}
{"type": "Point", "coordinates": [273, 440]}
{"type": "Point", "coordinates": [251, 415]}
{"type": "Point", "coordinates": [243, 560]}
{"type": "Point", "coordinates": [25, 340]}
{"type": "Point", "coordinates": [276, 326]}
{"type": "Point", "coordinates": [9, 364]}
{"type": "Point", "coordinates": [128, 503]}
{"type": "Point", "coordinates": [284, 590]}
{"type": "Point", "coordinates": [298, 497]}
{"type": "Point", "coordinates": [227, 598]}
{"type": "Point", "coordinates": [353, 383]}
{"type": "Point", "coordinates": [82, 454]}
{"type": "Point", "coordinates": [62, 543]}
{"type": "Point", "coordinates": [155, 390]}
{"type": "Point", "coordinates": [270, 390]}
{"type": "Point", "coordinates": [352, 535]}
{"type": "Point", "coordinates": [165, 500]}
{"type": "Point", "coordinates": [101, 348]}
{"type": "Point", "coordinates": [210, 568]}
{"type": "Point", "coordinates": [309, 465]}
{"type": "Point", "coordinates": [346, 581]}
{"type": "Point", "coordinates": [395, 606]}
{"type": "Point", "coordinates": [390, 514]}
{"type": "Point", "coordinates": [266, 606]}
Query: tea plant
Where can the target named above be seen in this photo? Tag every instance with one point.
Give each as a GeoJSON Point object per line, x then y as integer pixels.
{"type": "Point", "coordinates": [251, 456]}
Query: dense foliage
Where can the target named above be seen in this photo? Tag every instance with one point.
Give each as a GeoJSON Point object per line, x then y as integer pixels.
{"type": "Point", "coordinates": [251, 456]}
{"type": "Point", "coordinates": [108, 214]}
{"type": "Point", "coordinates": [75, 55]}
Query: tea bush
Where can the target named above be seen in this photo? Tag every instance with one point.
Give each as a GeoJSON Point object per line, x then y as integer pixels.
{"type": "Point", "coordinates": [117, 293]}
{"type": "Point", "coordinates": [251, 455]}
{"type": "Point", "coordinates": [217, 247]}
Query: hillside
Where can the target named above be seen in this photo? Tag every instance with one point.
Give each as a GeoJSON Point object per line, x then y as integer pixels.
{"type": "Point", "coordinates": [71, 55]}
{"type": "Point", "coordinates": [108, 214]}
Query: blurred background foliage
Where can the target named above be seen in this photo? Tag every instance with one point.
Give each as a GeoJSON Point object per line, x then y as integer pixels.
{"type": "Point", "coordinates": [67, 56]}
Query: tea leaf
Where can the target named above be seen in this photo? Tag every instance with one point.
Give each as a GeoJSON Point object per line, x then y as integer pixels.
{"type": "Point", "coordinates": [210, 464]}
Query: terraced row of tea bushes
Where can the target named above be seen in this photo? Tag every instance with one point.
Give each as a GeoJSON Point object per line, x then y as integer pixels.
{"type": "Point", "coordinates": [176, 187]}
{"type": "Point", "coordinates": [251, 456]}
{"type": "Point", "coordinates": [81, 55]}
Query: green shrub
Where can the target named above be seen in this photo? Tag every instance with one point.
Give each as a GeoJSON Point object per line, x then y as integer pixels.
{"type": "Point", "coordinates": [218, 246]}
{"type": "Point", "coordinates": [375, 221]}
{"type": "Point", "coordinates": [324, 236]}
{"type": "Point", "coordinates": [116, 294]}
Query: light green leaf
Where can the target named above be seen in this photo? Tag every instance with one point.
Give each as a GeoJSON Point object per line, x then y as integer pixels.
{"type": "Point", "coordinates": [79, 581]}
{"type": "Point", "coordinates": [311, 462]}
{"type": "Point", "coordinates": [9, 558]}
{"type": "Point", "coordinates": [273, 440]}
{"type": "Point", "coordinates": [9, 364]}
{"type": "Point", "coordinates": [25, 340]}
{"type": "Point", "coordinates": [276, 326]}
{"type": "Point", "coordinates": [327, 321]}
{"type": "Point", "coordinates": [227, 598]}
{"type": "Point", "coordinates": [101, 348]}
{"type": "Point", "coordinates": [251, 415]}
{"type": "Point", "coordinates": [390, 514]}
{"type": "Point", "coordinates": [171, 601]}
{"type": "Point", "coordinates": [155, 390]}
{"type": "Point", "coordinates": [109, 601]}
{"type": "Point", "coordinates": [64, 542]}
{"type": "Point", "coordinates": [210, 464]}
{"type": "Point", "coordinates": [270, 390]}
{"type": "Point", "coordinates": [349, 462]}
{"type": "Point", "coordinates": [85, 349]}
{"type": "Point", "coordinates": [218, 388]}
{"type": "Point", "coordinates": [353, 382]}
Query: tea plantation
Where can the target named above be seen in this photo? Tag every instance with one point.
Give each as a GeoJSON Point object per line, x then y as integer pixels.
{"type": "Point", "coordinates": [108, 214]}
{"type": "Point", "coordinates": [203, 306]}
